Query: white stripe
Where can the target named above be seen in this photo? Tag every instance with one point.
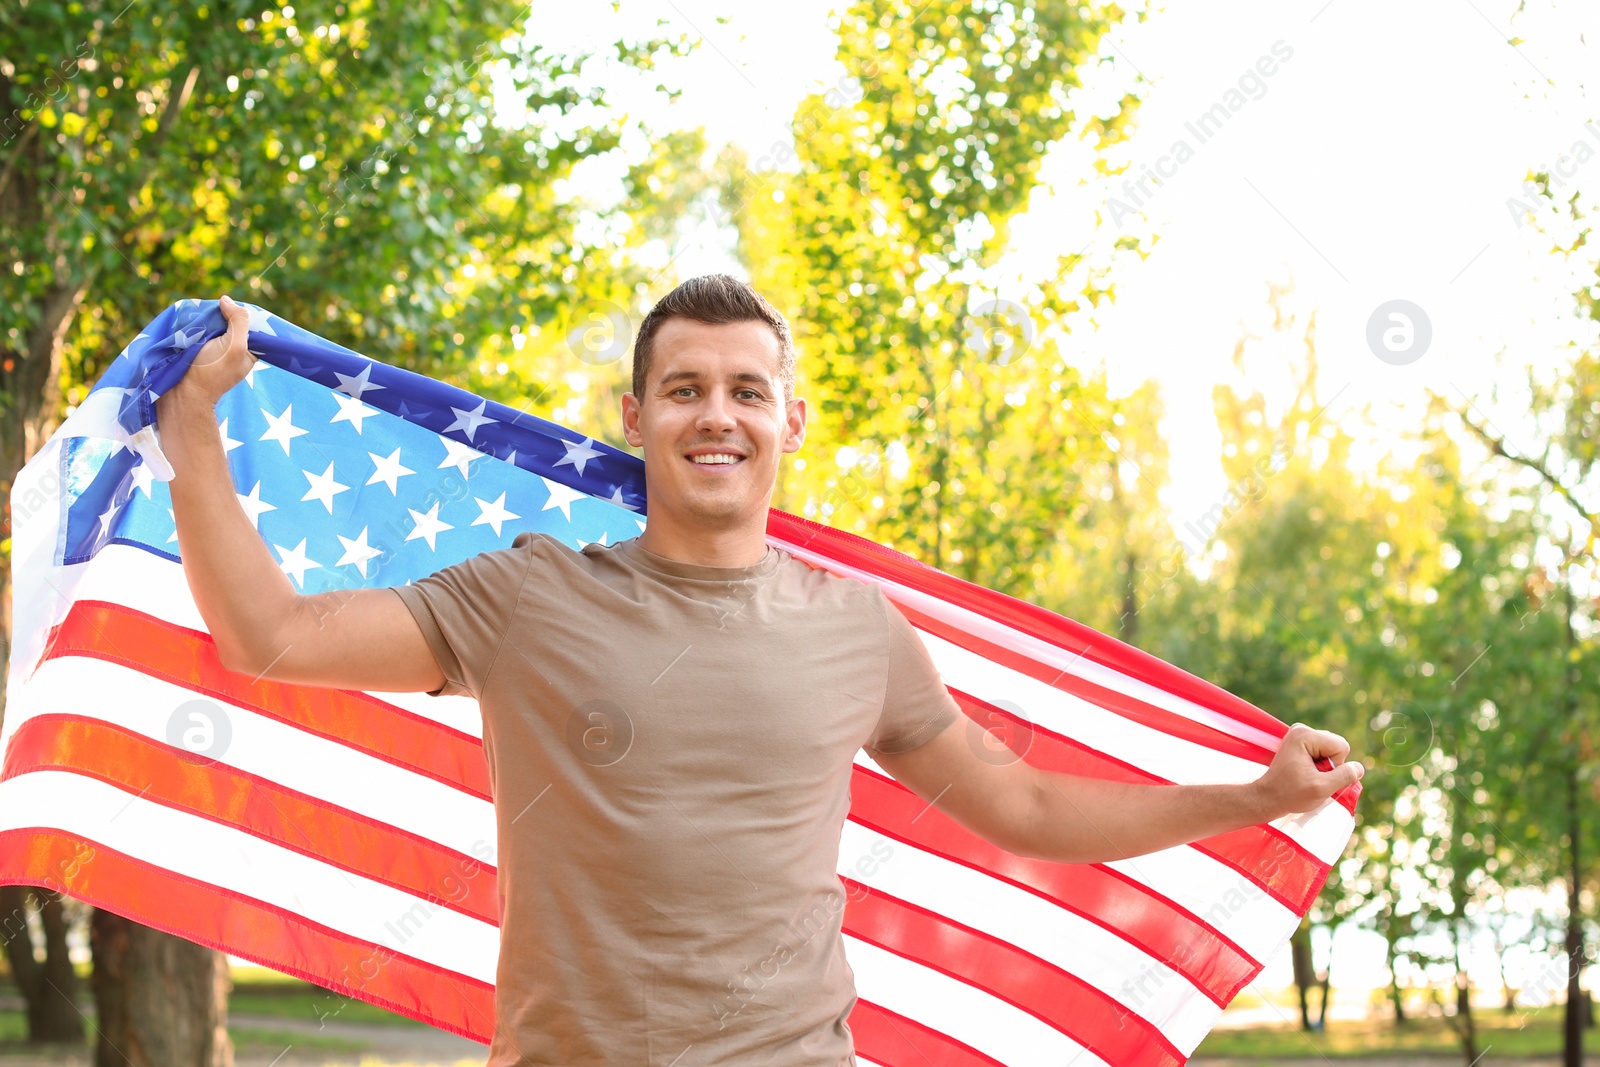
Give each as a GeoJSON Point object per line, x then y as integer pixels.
{"type": "Point", "coordinates": [962, 1011]}
{"type": "Point", "coordinates": [1198, 883]}
{"type": "Point", "coordinates": [1042, 652]}
{"type": "Point", "coordinates": [317, 766]}
{"type": "Point", "coordinates": [223, 856]}
{"type": "Point", "coordinates": [1143, 983]}
{"type": "Point", "coordinates": [1216, 894]}
{"type": "Point", "coordinates": [124, 574]}
{"type": "Point", "coordinates": [1134, 743]}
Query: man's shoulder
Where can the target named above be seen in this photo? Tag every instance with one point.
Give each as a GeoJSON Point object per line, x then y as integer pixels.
{"type": "Point", "coordinates": [823, 587]}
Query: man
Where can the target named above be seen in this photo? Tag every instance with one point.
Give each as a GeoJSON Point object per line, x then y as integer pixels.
{"type": "Point", "coordinates": [670, 721]}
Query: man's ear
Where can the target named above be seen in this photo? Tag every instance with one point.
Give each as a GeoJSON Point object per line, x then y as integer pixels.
{"type": "Point", "coordinates": [630, 420]}
{"type": "Point", "coordinates": [796, 425]}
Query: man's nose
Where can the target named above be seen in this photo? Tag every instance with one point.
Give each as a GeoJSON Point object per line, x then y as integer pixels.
{"type": "Point", "coordinates": [715, 413]}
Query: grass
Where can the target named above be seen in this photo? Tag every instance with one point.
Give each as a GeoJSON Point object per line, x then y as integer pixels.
{"type": "Point", "coordinates": [1534, 1032]}
{"type": "Point", "coordinates": [294, 999]}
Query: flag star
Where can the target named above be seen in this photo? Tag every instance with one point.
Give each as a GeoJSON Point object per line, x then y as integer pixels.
{"type": "Point", "coordinates": [578, 453]}
{"type": "Point", "coordinates": [260, 320]}
{"type": "Point", "coordinates": [254, 506]}
{"type": "Point", "coordinates": [293, 562]}
{"type": "Point", "coordinates": [173, 536]}
{"type": "Point", "coordinates": [354, 386]}
{"type": "Point", "coordinates": [250, 375]}
{"type": "Point", "coordinates": [582, 543]}
{"type": "Point", "coordinates": [512, 458]}
{"type": "Point", "coordinates": [561, 496]}
{"type": "Point", "coordinates": [389, 470]}
{"type": "Point", "coordinates": [282, 430]}
{"type": "Point", "coordinates": [181, 340]}
{"type": "Point", "coordinates": [142, 477]}
{"type": "Point", "coordinates": [107, 517]}
{"type": "Point", "coordinates": [357, 551]}
{"type": "Point", "coordinates": [228, 443]}
{"type": "Point", "coordinates": [458, 455]}
{"type": "Point", "coordinates": [351, 410]}
{"type": "Point", "coordinates": [323, 487]}
{"type": "Point", "coordinates": [469, 421]}
{"type": "Point", "coordinates": [428, 526]}
{"type": "Point", "coordinates": [616, 498]}
{"type": "Point", "coordinates": [641, 524]}
{"type": "Point", "coordinates": [493, 513]}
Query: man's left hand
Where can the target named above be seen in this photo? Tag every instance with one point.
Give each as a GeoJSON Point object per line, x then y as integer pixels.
{"type": "Point", "coordinates": [1293, 783]}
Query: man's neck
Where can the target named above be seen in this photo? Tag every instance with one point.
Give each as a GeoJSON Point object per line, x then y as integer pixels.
{"type": "Point", "coordinates": [705, 548]}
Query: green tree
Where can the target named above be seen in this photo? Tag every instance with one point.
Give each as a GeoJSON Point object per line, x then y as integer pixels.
{"type": "Point", "coordinates": [340, 161]}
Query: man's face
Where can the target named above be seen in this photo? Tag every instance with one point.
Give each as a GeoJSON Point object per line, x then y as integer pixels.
{"type": "Point", "coordinates": [713, 392]}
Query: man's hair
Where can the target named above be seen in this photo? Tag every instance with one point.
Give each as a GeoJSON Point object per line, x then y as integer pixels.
{"type": "Point", "coordinates": [714, 299]}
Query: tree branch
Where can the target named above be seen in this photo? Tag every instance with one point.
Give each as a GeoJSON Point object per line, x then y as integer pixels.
{"type": "Point", "coordinates": [1497, 445]}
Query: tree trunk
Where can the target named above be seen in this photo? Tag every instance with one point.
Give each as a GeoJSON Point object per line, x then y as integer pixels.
{"type": "Point", "coordinates": [1305, 975]}
{"type": "Point", "coordinates": [1395, 998]}
{"type": "Point", "coordinates": [1574, 1022]}
{"type": "Point", "coordinates": [1466, 1025]}
{"type": "Point", "coordinates": [163, 1001]}
{"type": "Point", "coordinates": [49, 988]}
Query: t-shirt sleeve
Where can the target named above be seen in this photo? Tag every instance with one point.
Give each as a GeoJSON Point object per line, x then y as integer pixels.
{"type": "Point", "coordinates": [916, 705]}
{"type": "Point", "coordinates": [465, 609]}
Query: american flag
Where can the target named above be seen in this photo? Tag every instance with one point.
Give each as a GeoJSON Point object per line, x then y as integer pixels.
{"type": "Point", "coordinates": [347, 837]}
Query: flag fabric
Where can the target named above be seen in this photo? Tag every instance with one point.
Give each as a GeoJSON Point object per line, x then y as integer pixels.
{"type": "Point", "coordinates": [348, 837]}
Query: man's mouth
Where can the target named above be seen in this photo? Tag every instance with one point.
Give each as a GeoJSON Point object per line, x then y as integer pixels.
{"type": "Point", "coordinates": [716, 459]}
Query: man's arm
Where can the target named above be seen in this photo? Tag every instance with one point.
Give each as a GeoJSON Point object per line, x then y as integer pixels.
{"type": "Point", "coordinates": [349, 639]}
{"type": "Point", "coordinates": [1069, 819]}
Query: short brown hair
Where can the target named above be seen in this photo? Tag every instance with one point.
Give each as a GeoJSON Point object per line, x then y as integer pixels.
{"type": "Point", "coordinates": [714, 299]}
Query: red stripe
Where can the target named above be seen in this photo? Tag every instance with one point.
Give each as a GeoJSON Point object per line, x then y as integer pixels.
{"type": "Point", "coordinates": [1054, 996]}
{"type": "Point", "coordinates": [1266, 855]}
{"type": "Point", "coordinates": [257, 806]}
{"type": "Point", "coordinates": [264, 933]}
{"type": "Point", "coordinates": [1127, 909]}
{"type": "Point", "coordinates": [1130, 708]}
{"type": "Point", "coordinates": [120, 634]}
{"type": "Point", "coordinates": [889, 1038]}
{"type": "Point", "coordinates": [1072, 637]}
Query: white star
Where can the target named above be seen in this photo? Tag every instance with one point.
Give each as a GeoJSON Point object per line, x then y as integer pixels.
{"type": "Point", "coordinates": [428, 526]}
{"type": "Point", "coordinates": [351, 410]}
{"type": "Point", "coordinates": [250, 375]}
{"type": "Point", "coordinates": [282, 430]}
{"type": "Point", "coordinates": [601, 542]}
{"type": "Point", "coordinates": [357, 551]}
{"type": "Point", "coordinates": [616, 498]}
{"type": "Point", "coordinates": [142, 477]}
{"type": "Point", "coordinates": [469, 421]}
{"type": "Point", "coordinates": [107, 517]}
{"type": "Point", "coordinates": [323, 487]}
{"type": "Point", "coordinates": [493, 514]}
{"type": "Point", "coordinates": [293, 562]}
{"type": "Point", "coordinates": [458, 455]}
{"type": "Point", "coordinates": [389, 470]}
{"type": "Point", "coordinates": [353, 387]}
{"type": "Point", "coordinates": [561, 496]}
{"type": "Point", "coordinates": [512, 459]}
{"type": "Point", "coordinates": [228, 443]}
{"type": "Point", "coordinates": [260, 320]}
{"type": "Point", "coordinates": [180, 339]}
{"type": "Point", "coordinates": [641, 524]}
{"type": "Point", "coordinates": [254, 506]}
{"type": "Point", "coordinates": [174, 535]}
{"type": "Point", "coordinates": [578, 453]}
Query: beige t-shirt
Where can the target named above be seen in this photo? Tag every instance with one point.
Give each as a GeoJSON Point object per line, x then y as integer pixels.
{"type": "Point", "coordinates": [670, 749]}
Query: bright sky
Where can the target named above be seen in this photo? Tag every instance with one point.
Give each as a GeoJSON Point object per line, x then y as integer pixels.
{"type": "Point", "coordinates": [1374, 164]}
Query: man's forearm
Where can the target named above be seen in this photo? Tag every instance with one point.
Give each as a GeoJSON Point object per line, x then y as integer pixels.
{"type": "Point", "coordinates": [1089, 820]}
{"type": "Point", "coordinates": [242, 594]}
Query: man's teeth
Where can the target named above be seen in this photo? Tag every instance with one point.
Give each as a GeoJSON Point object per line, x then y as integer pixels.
{"type": "Point", "coordinates": [716, 459]}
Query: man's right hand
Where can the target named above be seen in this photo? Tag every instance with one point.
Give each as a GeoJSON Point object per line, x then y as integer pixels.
{"type": "Point", "coordinates": [222, 362]}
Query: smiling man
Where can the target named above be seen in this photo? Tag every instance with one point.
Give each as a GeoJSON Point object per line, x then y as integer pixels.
{"type": "Point", "coordinates": [670, 721]}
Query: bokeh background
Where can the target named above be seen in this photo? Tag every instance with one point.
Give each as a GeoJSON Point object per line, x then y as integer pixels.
{"type": "Point", "coordinates": [1262, 336]}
